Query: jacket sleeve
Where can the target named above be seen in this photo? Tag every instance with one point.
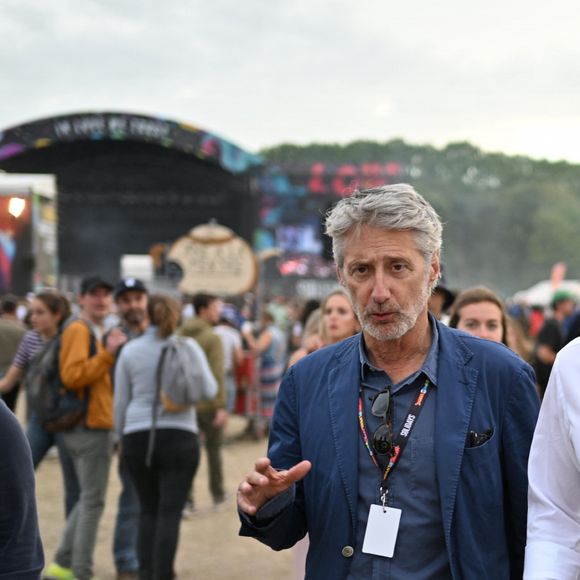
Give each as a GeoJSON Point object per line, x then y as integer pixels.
{"type": "Point", "coordinates": [288, 526]}
{"type": "Point", "coordinates": [519, 423]}
{"type": "Point", "coordinates": [77, 370]}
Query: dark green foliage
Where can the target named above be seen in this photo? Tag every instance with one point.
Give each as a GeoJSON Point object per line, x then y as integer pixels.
{"type": "Point", "coordinates": [507, 218]}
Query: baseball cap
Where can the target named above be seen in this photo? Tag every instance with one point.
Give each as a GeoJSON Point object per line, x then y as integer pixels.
{"type": "Point", "coordinates": [561, 295]}
{"type": "Point", "coordinates": [91, 283]}
{"type": "Point", "coordinates": [129, 284]}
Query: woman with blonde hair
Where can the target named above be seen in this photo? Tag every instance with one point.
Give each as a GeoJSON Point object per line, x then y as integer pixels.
{"type": "Point", "coordinates": [163, 482]}
{"type": "Point", "coordinates": [336, 321]}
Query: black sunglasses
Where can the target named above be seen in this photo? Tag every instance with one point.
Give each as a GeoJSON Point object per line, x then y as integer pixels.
{"type": "Point", "coordinates": [383, 436]}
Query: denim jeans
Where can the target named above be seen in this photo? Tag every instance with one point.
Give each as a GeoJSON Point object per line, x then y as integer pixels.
{"type": "Point", "coordinates": [41, 441]}
{"type": "Point", "coordinates": [162, 489]}
{"type": "Point", "coordinates": [91, 451]}
{"type": "Point", "coordinates": [127, 523]}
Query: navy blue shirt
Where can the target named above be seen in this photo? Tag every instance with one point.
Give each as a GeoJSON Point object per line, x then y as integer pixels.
{"type": "Point", "coordinates": [420, 551]}
{"type": "Point", "coordinates": [21, 553]}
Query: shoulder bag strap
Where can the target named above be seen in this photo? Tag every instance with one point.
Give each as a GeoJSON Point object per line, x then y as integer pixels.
{"type": "Point", "coordinates": [158, 374]}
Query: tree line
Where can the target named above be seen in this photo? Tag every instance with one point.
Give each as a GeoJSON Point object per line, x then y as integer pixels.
{"type": "Point", "coordinates": [507, 219]}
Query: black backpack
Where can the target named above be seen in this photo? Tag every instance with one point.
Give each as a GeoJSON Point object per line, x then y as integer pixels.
{"type": "Point", "coordinates": [57, 408]}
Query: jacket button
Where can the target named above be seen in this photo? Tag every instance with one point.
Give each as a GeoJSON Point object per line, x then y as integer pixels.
{"type": "Point", "coordinates": [347, 551]}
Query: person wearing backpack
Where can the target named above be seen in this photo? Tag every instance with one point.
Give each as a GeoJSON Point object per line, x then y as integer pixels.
{"type": "Point", "coordinates": [49, 311]}
{"type": "Point", "coordinates": [90, 442]}
{"type": "Point", "coordinates": [160, 446]}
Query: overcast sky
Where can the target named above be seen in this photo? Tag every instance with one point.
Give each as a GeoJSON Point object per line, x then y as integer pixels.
{"type": "Point", "coordinates": [502, 74]}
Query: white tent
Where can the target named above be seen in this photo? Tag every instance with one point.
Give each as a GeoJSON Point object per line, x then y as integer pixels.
{"type": "Point", "coordinates": [541, 293]}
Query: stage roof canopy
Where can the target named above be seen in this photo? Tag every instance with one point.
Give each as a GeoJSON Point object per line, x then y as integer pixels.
{"type": "Point", "coordinates": [118, 126]}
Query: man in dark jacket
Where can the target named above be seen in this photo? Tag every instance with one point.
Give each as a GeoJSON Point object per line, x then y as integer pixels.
{"type": "Point", "coordinates": [21, 554]}
{"type": "Point", "coordinates": [403, 450]}
{"type": "Point", "coordinates": [552, 337]}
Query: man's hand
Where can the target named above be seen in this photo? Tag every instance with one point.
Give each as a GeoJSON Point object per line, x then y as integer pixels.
{"type": "Point", "coordinates": [115, 339]}
{"type": "Point", "coordinates": [221, 418]}
{"type": "Point", "coordinates": [264, 482]}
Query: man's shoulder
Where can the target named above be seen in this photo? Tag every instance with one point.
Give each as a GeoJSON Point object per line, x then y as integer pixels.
{"type": "Point", "coordinates": [472, 348]}
{"type": "Point", "coordinates": [568, 358]}
{"type": "Point", "coordinates": [338, 353]}
{"type": "Point", "coordinates": [196, 327]}
{"type": "Point", "coordinates": [11, 328]}
{"type": "Point", "coordinates": [202, 332]}
{"type": "Point", "coordinates": [76, 327]}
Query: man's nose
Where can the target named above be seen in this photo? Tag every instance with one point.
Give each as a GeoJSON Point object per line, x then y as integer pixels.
{"type": "Point", "coordinates": [381, 291]}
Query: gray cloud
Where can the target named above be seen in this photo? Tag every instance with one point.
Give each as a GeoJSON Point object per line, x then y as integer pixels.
{"type": "Point", "coordinates": [262, 72]}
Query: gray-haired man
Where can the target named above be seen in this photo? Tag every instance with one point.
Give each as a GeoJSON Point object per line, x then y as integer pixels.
{"type": "Point", "coordinates": [402, 451]}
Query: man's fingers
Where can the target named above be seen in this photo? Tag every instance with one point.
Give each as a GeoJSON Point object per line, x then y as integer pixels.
{"type": "Point", "coordinates": [298, 472]}
{"type": "Point", "coordinates": [245, 488]}
{"type": "Point", "coordinates": [264, 482]}
{"type": "Point", "coordinates": [262, 464]}
{"type": "Point", "coordinates": [245, 504]}
{"type": "Point", "coordinates": [256, 478]}
{"type": "Point", "coordinates": [264, 473]}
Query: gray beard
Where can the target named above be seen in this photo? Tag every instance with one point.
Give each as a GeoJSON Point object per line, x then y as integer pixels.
{"type": "Point", "coordinates": [394, 330]}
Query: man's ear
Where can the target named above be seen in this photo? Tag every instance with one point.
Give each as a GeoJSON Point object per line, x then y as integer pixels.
{"type": "Point", "coordinates": [435, 272]}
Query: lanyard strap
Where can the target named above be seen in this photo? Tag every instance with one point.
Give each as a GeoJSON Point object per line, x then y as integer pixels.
{"type": "Point", "coordinates": [400, 441]}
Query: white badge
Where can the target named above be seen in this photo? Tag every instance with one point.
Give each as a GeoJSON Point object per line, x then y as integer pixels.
{"type": "Point", "coordinates": [382, 530]}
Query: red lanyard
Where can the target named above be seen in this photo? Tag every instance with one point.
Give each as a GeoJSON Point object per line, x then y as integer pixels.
{"type": "Point", "coordinates": [402, 437]}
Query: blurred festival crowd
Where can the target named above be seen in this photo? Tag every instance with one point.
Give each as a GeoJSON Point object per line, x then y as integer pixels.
{"type": "Point", "coordinates": [111, 335]}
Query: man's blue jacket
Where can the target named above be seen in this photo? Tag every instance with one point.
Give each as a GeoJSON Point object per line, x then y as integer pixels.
{"type": "Point", "coordinates": [483, 490]}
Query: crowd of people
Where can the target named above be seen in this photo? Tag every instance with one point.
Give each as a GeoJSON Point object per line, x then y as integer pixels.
{"type": "Point", "coordinates": [342, 386]}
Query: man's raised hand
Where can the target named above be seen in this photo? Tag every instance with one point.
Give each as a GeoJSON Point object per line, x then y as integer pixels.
{"type": "Point", "coordinates": [264, 482]}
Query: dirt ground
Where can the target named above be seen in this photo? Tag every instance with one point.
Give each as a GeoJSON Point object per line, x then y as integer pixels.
{"type": "Point", "coordinates": [209, 545]}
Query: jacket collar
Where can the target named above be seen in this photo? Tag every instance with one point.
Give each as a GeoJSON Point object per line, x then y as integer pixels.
{"type": "Point", "coordinates": [456, 385]}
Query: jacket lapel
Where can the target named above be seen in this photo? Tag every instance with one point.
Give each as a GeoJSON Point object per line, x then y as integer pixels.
{"type": "Point", "coordinates": [456, 389]}
{"type": "Point", "coordinates": [343, 388]}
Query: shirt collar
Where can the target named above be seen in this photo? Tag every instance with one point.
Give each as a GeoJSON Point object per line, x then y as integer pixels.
{"type": "Point", "coordinates": [430, 365]}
